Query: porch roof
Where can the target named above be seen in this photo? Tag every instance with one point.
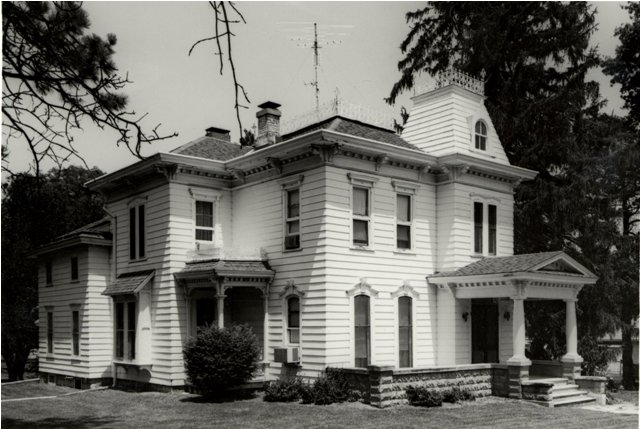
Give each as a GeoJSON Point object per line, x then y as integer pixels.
{"type": "Point", "coordinates": [129, 283]}
{"type": "Point", "coordinates": [227, 268]}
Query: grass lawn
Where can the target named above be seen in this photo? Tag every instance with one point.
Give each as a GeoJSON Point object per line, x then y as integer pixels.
{"type": "Point", "coordinates": [113, 408]}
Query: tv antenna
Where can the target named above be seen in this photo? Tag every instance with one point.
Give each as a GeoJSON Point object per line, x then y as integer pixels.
{"type": "Point", "coordinates": [315, 42]}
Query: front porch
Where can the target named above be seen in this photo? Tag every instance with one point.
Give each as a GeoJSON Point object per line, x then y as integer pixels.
{"type": "Point", "coordinates": [508, 282]}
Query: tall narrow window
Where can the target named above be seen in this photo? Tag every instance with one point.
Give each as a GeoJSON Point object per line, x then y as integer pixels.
{"type": "Point", "coordinates": [49, 332]}
{"type": "Point", "coordinates": [137, 232]}
{"type": "Point", "coordinates": [362, 331]}
{"type": "Point", "coordinates": [492, 229]}
{"type": "Point", "coordinates": [75, 332]}
{"type": "Point", "coordinates": [403, 221]}
{"type": "Point", "coordinates": [361, 214]}
{"type": "Point", "coordinates": [405, 331]}
{"type": "Point", "coordinates": [48, 273]}
{"type": "Point", "coordinates": [74, 268]}
{"type": "Point", "coordinates": [125, 330]}
{"type": "Point", "coordinates": [293, 320]}
{"type": "Point", "coordinates": [481, 135]}
{"type": "Point", "coordinates": [204, 221]}
{"type": "Point", "coordinates": [477, 227]}
{"type": "Point", "coordinates": [292, 221]}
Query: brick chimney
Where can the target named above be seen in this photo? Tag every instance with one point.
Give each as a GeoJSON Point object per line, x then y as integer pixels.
{"type": "Point", "coordinates": [268, 124]}
{"type": "Point", "coordinates": [218, 134]}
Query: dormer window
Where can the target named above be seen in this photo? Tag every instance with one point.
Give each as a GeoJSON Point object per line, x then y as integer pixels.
{"type": "Point", "coordinates": [481, 135]}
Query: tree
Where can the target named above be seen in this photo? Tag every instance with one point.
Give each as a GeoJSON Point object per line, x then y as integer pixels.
{"type": "Point", "coordinates": [535, 56]}
{"type": "Point", "coordinates": [35, 210]}
{"type": "Point", "coordinates": [624, 68]}
{"type": "Point", "coordinates": [55, 76]}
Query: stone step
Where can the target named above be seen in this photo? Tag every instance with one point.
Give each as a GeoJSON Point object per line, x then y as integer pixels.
{"type": "Point", "coordinates": [562, 387]}
{"type": "Point", "coordinates": [555, 381]}
{"type": "Point", "coordinates": [574, 400]}
{"type": "Point", "coordinates": [567, 393]}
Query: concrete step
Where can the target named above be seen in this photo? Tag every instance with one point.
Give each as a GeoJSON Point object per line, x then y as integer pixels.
{"type": "Point", "coordinates": [574, 400]}
{"type": "Point", "coordinates": [567, 393]}
{"type": "Point", "coordinates": [556, 381]}
{"type": "Point", "coordinates": [562, 387]}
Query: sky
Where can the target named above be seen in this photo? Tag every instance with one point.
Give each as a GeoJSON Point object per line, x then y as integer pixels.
{"type": "Point", "coordinates": [187, 94]}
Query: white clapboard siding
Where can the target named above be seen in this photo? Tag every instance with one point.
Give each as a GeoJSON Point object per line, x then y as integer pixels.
{"type": "Point", "coordinates": [85, 296]}
{"type": "Point", "coordinates": [442, 122]}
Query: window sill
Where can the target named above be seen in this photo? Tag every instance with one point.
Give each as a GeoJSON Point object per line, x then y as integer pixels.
{"type": "Point", "coordinates": [362, 249]}
{"type": "Point", "coordinates": [74, 281]}
{"type": "Point", "coordinates": [405, 252]}
{"type": "Point", "coordinates": [477, 256]}
{"type": "Point", "coordinates": [299, 249]}
{"type": "Point", "coordinates": [135, 261]}
{"type": "Point", "coordinates": [48, 285]}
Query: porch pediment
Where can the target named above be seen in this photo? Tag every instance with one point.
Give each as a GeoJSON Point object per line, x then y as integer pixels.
{"type": "Point", "coordinates": [548, 275]}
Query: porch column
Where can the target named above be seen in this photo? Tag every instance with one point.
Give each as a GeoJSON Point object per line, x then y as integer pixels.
{"type": "Point", "coordinates": [220, 299]}
{"type": "Point", "coordinates": [572, 360]}
{"type": "Point", "coordinates": [265, 345]}
{"type": "Point", "coordinates": [518, 332]}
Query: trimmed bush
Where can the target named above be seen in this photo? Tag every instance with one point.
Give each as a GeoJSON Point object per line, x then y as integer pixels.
{"type": "Point", "coordinates": [219, 359]}
{"type": "Point", "coordinates": [332, 387]}
{"type": "Point", "coordinates": [456, 394]}
{"type": "Point", "coordinates": [424, 397]}
{"type": "Point", "coordinates": [282, 390]}
{"type": "Point", "coordinates": [595, 357]}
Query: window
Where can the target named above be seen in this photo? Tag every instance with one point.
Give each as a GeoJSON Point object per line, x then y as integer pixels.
{"type": "Point", "coordinates": [48, 268]}
{"type": "Point", "coordinates": [75, 332]}
{"type": "Point", "coordinates": [74, 268]}
{"type": "Point", "coordinates": [136, 232]}
{"type": "Point", "coordinates": [403, 221]}
{"type": "Point", "coordinates": [492, 229]}
{"type": "Point", "coordinates": [405, 331]}
{"type": "Point", "coordinates": [293, 320]}
{"type": "Point", "coordinates": [477, 226]}
{"type": "Point", "coordinates": [485, 222]}
{"type": "Point", "coordinates": [362, 331]}
{"type": "Point", "coordinates": [125, 330]}
{"type": "Point", "coordinates": [205, 312]}
{"type": "Point", "coordinates": [481, 135]}
{"type": "Point", "coordinates": [204, 221]}
{"type": "Point", "coordinates": [49, 332]}
{"type": "Point", "coordinates": [361, 216]}
{"type": "Point", "coordinates": [292, 221]}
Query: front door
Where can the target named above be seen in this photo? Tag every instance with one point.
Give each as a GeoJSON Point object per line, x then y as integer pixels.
{"type": "Point", "coordinates": [484, 331]}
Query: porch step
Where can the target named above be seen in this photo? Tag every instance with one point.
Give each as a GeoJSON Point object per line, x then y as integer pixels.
{"type": "Point", "coordinates": [555, 381]}
{"type": "Point", "coordinates": [567, 393]}
{"type": "Point", "coordinates": [573, 400]}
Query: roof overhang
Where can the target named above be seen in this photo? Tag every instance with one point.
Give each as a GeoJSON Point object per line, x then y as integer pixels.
{"type": "Point", "coordinates": [130, 283]}
{"type": "Point", "coordinates": [82, 239]}
{"type": "Point", "coordinates": [509, 171]}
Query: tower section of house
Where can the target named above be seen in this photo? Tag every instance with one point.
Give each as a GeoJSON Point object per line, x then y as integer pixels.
{"type": "Point", "coordinates": [76, 334]}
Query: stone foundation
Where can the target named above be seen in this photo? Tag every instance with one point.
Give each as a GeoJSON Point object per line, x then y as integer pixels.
{"type": "Point", "coordinates": [74, 382]}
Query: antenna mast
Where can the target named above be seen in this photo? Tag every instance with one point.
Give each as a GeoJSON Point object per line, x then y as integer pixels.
{"type": "Point", "coordinates": [315, 65]}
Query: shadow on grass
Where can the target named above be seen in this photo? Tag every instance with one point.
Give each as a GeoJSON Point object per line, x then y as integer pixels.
{"type": "Point", "coordinates": [229, 396]}
{"type": "Point", "coordinates": [81, 422]}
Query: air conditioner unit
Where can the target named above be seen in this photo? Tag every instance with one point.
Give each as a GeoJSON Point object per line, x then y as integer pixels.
{"type": "Point", "coordinates": [292, 242]}
{"type": "Point", "coordinates": [287, 354]}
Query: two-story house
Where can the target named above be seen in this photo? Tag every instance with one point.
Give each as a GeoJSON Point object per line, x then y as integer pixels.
{"type": "Point", "coordinates": [341, 243]}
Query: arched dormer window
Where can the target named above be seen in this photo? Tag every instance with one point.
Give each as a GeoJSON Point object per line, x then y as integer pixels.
{"type": "Point", "coordinates": [481, 135]}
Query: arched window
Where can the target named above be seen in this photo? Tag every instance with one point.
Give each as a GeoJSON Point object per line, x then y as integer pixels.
{"type": "Point", "coordinates": [405, 331]}
{"type": "Point", "coordinates": [481, 135]}
{"type": "Point", "coordinates": [293, 320]}
{"type": "Point", "coordinates": [362, 327]}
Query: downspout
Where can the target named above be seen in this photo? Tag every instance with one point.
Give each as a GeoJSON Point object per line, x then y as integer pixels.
{"type": "Point", "coordinates": [114, 235]}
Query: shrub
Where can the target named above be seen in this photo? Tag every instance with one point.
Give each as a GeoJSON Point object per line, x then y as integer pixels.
{"type": "Point", "coordinates": [219, 359]}
{"type": "Point", "coordinates": [424, 397]}
{"type": "Point", "coordinates": [332, 387]}
{"type": "Point", "coordinates": [456, 394]}
{"type": "Point", "coordinates": [282, 390]}
{"type": "Point", "coordinates": [612, 385]}
{"type": "Point", "coordinates": [595, 357]}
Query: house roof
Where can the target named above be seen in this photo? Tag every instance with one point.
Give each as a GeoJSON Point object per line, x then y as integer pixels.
{"type": "Point", "coordinates": [129, 283]}
{"type": "Point", "coordinates": [352, 127]}
{"type": "Point", "coordinates": [558, 262]}
{"type": "Point", "coordinates": [223, 267]}
{"type": "Point", "coordinates": [96, 233]}
{"type": "Point", "coordinates": [212, 148]}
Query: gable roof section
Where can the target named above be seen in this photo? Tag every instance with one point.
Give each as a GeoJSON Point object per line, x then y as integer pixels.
{"type": "Point", "coordinates": [344, 125]}
{"type": "Point", "coordinates": [550, 262]}
{"type": "Point", "coordinates": [211, 148]}
{"type": "Point", "coordinates": [129, 283]}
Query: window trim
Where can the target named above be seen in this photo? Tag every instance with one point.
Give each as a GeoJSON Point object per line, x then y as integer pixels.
{"type": "Point", "coordinates": [291, 184]}
{"type": "Point", "coordinates": [196, 227]}
{"type": "Point", "coordinates": [128, 355]}
{"type": "Point", "coordinates": [406, 290]}
{"type": "Point", "coordinates": [137, 229]}
{"type": "Point", "coordinates": [484, 138]}
{"type": "Point", "coordinates": [363, 288]}
{"type": "Point", "coordinates": [410, 326]}
{"type": "Point", "coordinates": [288, 327]}
{"type": "Point", "coordinates": [50, 332]}
{"type": "Point", "coordinates": [369, 330]}
{"type": "Point", "coordinates": [76, 330]}
{"type": "Point", "coordinates": [367, 182]}
{"type": "Point", "coordinates": [75, 269]}
{"type": "Point", "coordinates": [408, 223]}
{"type": "Point", "coordinates": [486, 202]}
{"type": "Point", "coordinates": [290, 291]}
